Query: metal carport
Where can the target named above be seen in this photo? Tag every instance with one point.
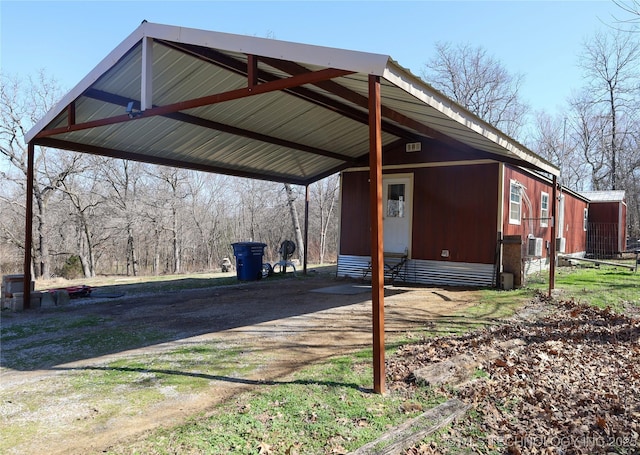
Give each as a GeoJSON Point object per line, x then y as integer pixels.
{"type": "Point", "coordinates": [265, 109]}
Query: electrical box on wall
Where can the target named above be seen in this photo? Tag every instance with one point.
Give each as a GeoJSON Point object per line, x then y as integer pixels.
{"type": "Point", "coordinates": [445, 253]}
{"type": "Point", "coordinates": [413, 147]}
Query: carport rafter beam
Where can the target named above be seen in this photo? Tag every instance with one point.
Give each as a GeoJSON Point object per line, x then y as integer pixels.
{"type": "Point", "coordinates": [224, 61]}
{"type": "Point", "coordinates": [344, 93]}
{"type": "Point", "coordinates": [266, 87]}
{"type": "Point", "coordinates": [124, 155]}
{"type": "Point", "coordinates": [362, 101]}
{"type": "Point", "coordinates": [210, 124]}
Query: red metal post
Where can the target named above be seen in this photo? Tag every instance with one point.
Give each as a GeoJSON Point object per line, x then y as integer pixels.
{"type": "Point", "coordinates": [555, 230]}
{"type": "Point", "coordinates": [28, 227]}
{"type": "Point", "coordinates": [252, 71]}
{"type": "Point", "coordinates": [377, 264]}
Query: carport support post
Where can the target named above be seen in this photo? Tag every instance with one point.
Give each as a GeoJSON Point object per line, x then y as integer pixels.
{"type": "Point", "coordinates": [306, 229]}
{"type": "Point", "coordinates": [377, 272]}
{"type": "Point", "coordinates": [28, 227]}
{"type": "Point", "coordinates": [556, 231]}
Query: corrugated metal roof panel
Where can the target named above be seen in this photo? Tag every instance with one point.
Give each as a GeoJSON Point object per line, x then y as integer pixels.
{"type": "Point", "coordinates": [297, 134]}
{"type": "Point", "coordinates": [605, 196]}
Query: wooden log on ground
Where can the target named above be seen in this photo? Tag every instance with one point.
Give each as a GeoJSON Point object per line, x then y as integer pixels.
{"type": "Point", "coordinates": [600, 262]}
{"type": "Point", "coordinates": [411, 432]}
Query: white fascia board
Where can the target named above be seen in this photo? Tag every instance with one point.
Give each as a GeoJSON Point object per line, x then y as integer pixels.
{"type": "Point", "coordinates": [359, 62]}
{"type": "Point", "coordinates": [436, 100]}
{"type": "Point", "coordinates": [102, 67]}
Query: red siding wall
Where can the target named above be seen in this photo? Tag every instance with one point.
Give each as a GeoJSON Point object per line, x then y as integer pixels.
{"type": "Point", "coordinates": [455, 209]}
{"type": "Point", "coordinates": [573, 229]}
{"type": "Point", "coordinates": [355, 228]}
{"type": "Point", "coordinates": [604, 212]}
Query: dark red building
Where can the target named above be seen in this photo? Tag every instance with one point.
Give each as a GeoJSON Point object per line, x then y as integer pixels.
{"type": "Point", "coordinates": [606, 224]}
{"type": "Point", "coordinates": [451, 214]}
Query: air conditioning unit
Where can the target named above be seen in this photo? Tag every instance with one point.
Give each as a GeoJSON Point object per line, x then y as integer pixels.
{"type": "Point", "coordinates": [561, 245]}
{"type": "Point", "coordinates": [534, 247]}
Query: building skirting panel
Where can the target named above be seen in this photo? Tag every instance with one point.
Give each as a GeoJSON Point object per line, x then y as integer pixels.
{"type": "Point", "coordinates": [425, 272]}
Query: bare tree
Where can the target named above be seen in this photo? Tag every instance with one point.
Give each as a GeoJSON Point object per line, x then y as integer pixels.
{"type": "Point", "coordinates": [478, 82]}
{"type": "Point", "coordinates": [295, 221]}
{"type": "Point", "coordinates": [169, 197]}
{"type": "Point", "coordinates": [324, 198]}
{"type": "Point", "coordinates": [122, 178]}
{"type": "Point", "coordinates": [610, 64]}
{"type": "Point", "coordinates": [83, 195]}
{"type": "Point", "coordinates": [209, 199]}
{"type": "Point", "coordinates": [631, 11]}
{"type": "Point", "coordinates": [20, 107]}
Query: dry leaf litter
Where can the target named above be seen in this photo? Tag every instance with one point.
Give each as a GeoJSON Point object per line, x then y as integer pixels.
{"type": "Point", "coordinates": [563, 379]}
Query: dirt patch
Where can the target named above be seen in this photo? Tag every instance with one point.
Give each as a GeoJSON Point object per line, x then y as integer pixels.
{"type": "Point", "coordinates": [275, 326]}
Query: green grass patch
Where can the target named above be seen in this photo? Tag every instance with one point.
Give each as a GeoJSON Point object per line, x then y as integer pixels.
{"type": "Point", "coordinates": [18, 432]}
{"type": "Point", "coordinates": [188, 369]}
{"type": "Point", "coordinates": [603, 286]}
{"type": "Point", "coordinates": [492, 307]}
{"type": "Point", "coordinates": [497, 304]}
{"type": "Point", "coordinates": [326, 408]}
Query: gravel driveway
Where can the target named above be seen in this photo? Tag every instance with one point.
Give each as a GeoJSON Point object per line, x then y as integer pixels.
{"type": "Point", "coordinates": [276, 326]}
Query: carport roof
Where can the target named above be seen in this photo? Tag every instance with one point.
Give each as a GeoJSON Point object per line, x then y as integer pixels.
{"type": "Point", "coordinates": [256, 107]}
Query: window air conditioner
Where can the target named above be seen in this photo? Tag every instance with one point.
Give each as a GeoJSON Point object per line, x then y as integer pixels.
{"type": "Point", "coordinates": [561, 245]}
{"type": "Point", "coordinates": [534, 247]}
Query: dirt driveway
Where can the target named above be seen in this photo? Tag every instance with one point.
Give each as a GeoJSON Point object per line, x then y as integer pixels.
{"type": "Point", "coordinates": [277, 325]}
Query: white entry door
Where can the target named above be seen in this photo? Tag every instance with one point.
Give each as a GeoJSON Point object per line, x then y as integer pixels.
{"type": "Point", "coordinates": [397, 204]}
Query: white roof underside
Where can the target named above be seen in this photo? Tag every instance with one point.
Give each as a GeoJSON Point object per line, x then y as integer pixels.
{"type": "Point", "coordinates": [297, 135]}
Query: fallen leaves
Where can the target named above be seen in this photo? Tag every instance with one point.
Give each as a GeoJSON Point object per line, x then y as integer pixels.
{"type": "Point", "coordinates": [570, 385]}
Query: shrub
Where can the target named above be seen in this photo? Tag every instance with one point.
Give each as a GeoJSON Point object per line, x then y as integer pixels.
{"type": "Point", "coordinates": [72, 268]}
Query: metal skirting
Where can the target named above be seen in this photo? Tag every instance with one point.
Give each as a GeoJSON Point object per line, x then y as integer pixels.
{"type": "Point", "coordinates": [426, 272]}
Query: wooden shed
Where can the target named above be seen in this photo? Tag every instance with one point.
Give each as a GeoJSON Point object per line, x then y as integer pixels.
{"type": "Point", "coordinates": [606, 224]}
{"type": "Point", "coordinates": [453, 216]}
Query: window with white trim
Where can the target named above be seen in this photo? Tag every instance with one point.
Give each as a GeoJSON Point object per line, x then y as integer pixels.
{"type": "Point", "coordinates": [515, 202]}
{"type": "Point", "coordinates": [544, 209]}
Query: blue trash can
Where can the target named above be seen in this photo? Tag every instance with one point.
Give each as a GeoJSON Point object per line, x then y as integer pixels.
{"type": "Point", "coordinates": [248, 260]}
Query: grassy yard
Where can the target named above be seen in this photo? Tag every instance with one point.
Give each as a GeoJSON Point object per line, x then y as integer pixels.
{"type": "Point", "coordinates": [603, 286]}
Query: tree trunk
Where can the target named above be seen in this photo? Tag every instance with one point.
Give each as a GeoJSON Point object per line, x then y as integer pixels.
{"type": "Point", "coordinates": [156, 252]}
{"type": "Point", "coordinates": [176, 245]}
{"type": "Point", "coordinates": [42, 270]}
{"type": "Point", "coordinates": [132, 260]}
{"type": "Point", "coordinates": [291, 199]}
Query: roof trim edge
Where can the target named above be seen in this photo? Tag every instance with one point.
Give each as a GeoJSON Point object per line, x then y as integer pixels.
{"type": "Point", "coordinates": [110, 60]}
{"type": "Point", "coordinates": [430, 96]}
